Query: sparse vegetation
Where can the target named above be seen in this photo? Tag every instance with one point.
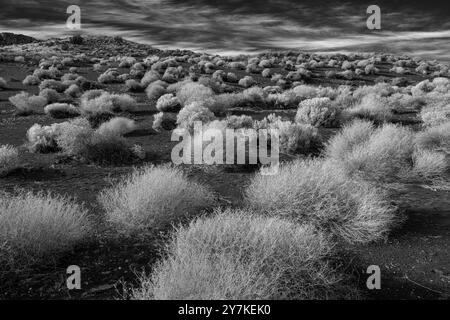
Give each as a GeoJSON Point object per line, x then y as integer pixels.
{"type": "Point", "coordinates": [153, 198]}
{"type": "Point", "coordinates": [236, 255]}
{"type": "Point", "coordinates": [38, 226]}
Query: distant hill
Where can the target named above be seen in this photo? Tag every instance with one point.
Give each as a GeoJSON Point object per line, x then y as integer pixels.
{"type": "Point", "coordinates": [8, 38]}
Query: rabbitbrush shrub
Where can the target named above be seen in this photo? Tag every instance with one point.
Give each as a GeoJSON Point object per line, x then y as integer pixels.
{"type": "Point", "coordinates": [26, 104]}
{"type": "Point", "coordinates": [153, 197]}
{"type": "Point", "coordinates": [9, 158]}
{"type": "Point", "coordinates": [321, 193]}
{"type": "Point", "coordinates": [38, 226]}
{"type": "Point", "coordinates": [237, 255]}
{"type": "Point", "coordinates": [380, 154]}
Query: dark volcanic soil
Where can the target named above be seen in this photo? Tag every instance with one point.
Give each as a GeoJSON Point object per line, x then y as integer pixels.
{"type": "Point", "coordinates": [414, 261]}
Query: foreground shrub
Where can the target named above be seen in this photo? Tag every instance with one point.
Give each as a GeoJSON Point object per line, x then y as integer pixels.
{"type": "Point", "coordinates": [321, 193]}
{"type": "Point", "coordinates": [193, 92]}
{"type": "Point", "coordinates": [9, 158]}
{"type": "Point", "coordinates": [26, 104]}
{"type": "Point", "coordinates": [435, 137]}
{"type": "Point", "coordinates": [237, 255]}
{"type": "Point", "coordinates": [37, 226]}
{"type": "Point", "coordinates": [317, 112]}
{"type": "Point", "coordinates": [436, 113]}
{"type": "Point", "coordinates": [153, 197]}
{"type": "Point", "coordinates": [61, 110]}
{"type": "Point", "coordinates": [117, 126]}
{"type": "Point", "coordinates": [376, 154]}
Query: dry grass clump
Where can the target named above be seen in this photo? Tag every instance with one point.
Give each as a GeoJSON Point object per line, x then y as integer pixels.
{"type": "Point", "coordinates": [165, 121]}
{"type": "Point", "coordinates": [26, 104]}
{"type": "Point", "coordinates": [318, 112]}
{"type": "Point", "coordinates": [376, 154]}
{"type": "Point", "coordinates": [192, 92]}
{"type": "Point", "coordinates": [43, 138]}
{"type": "Point", "coordinates": [9, 158]}
{"type": "Point", "coordinates": [153, 197]}
{"type": "Point", "coordinates": [429, 164]}
{"type": "Point", "coordinates": [371, 107]}
{"type": "Point", "coordinates": [37, 226]}
{"type": "Point", "coordinates": [98, 101]}
{"type": "Point", "coordinates": [194, 112]}
{"type": "Point", "coordinates": [3, 84]}
{"type": "Point", "coordinates": [436, 112]}
{"type": "Point", "coordinates": [168, 103]}
{"type": "Point", "coordinates": [31, 80]}
{"type": "Point", "coordinates": [435, 137]}
{"type": "Point", "coordinates": [294, 138]}
{"type": "Point", "coordinates": [236, 255]}
{"type": "Point", "coordinates": [322, 194]}
{"type": "Point", "coordinates": [61, 110]}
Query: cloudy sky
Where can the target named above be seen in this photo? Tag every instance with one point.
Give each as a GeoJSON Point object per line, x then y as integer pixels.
{"type": "Point", "coordinates": [231, 26]}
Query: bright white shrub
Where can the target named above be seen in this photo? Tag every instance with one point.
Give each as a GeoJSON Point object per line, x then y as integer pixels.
{"type": "Point", "coordinates": [168, 103]}
{"type": "Point", "coordinates": [165, 120]}
{"type": "Point", "coordinates": [247, 82]}
{"type": "Point", "coordinates": [323, 195]}
{"type": "Point", "coordinates": [371, 107]}
{"type": "Point", "coordinates": [429, 164]}
{"type": "Point", "coordinates": [154, 91]}
{"type": "Point", "coordinates": [27, 104]}
{"type": "Point", "coordinates": [153, 197]}
{"type": "Point", "coordinates": [238, 255]}
{"type": "Point", "coordinates": [31, 80]}
{"type": "Point", "coordinates": [194, 112]}
{"type": "Point", "coordinates": [317, 112]}
{"type": "Point", "coordinates": [435, 137]}
{"type": "Point", "coordinates": [192, 91]}
{"type": "Point", "coordinates": [61, 110]}
{"type": "Point", "coordinates": [38, 226]}
{"type": "Point", "coordinates": [376, 154]}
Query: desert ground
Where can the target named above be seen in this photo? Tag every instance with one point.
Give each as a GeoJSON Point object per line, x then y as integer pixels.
{"type": "Point", "coordinates": [315, 96]}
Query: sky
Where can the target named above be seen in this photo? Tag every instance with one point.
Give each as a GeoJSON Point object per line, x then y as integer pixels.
{"type": "Point", "coordinates": [419, 28]}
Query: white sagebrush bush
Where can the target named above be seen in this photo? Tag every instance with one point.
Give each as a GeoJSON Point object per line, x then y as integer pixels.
{"type": "Point", "coordinates": [192, 92]}
{"type": "Point", "coordinates": [236, 255]}
{"type": "Point", "coordinates": [321, 193]}
{"type": "Point", "coordinates": [117, 126]}
{"type": "Point", "coordinates": [435, 137]}
{"type": "Point", "coordinates": [61, 110]}
{"type": "Point", "coordinates": [165, 121]}
{"type": "Point", "coordinates": [168, 103]}
{"type": "Point", "coordinates": [73, 136]}
{"type": "Point", "coordinates": [26, 104]}
{"type": "Point", "coordinates": [376, 154]}
{"type": "Point", "coordinates": [429, 164]}
{"type": "Point", "coordinates": [3, 84]}
{"type": "Point", "coordinates": [436, 112]}
{"type": "Point", "coordinates": [31, 80]}
{"type": "Point", "coordinates": [9, 158]}
{"type": "Point", "coordinates": [371, 107]}
{"type": "Point", "coordinates": [294, 138]}
{"type": "Point", "coordinates": [155, 91]}
{"type": "Point", "coordinates": [317, 112]}
{"type": "Point", "coordinates": [153, 197]}
{"type": "Point", "coordinates": [38, 226]}
{"type": "Point", "coordinates": [43, 138]}
{"type": "Point", "coordinates": [247, 82]}
{"type": "Point", "coordinates": [103, 102]}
